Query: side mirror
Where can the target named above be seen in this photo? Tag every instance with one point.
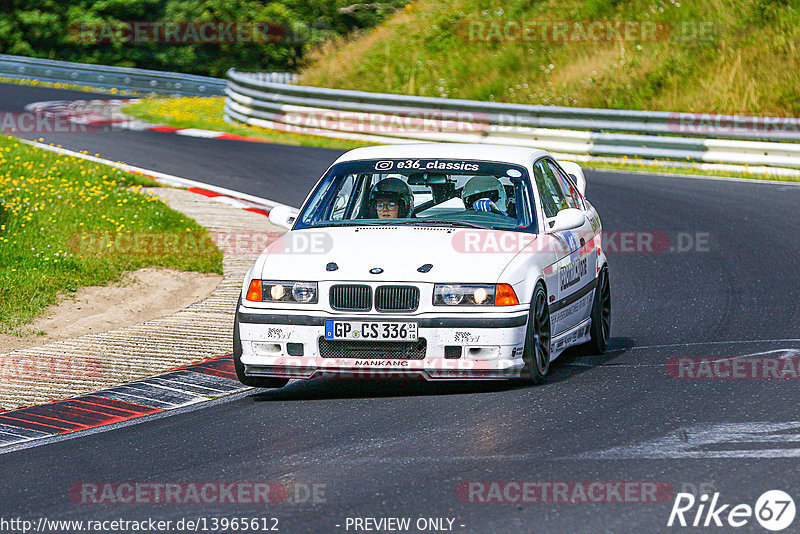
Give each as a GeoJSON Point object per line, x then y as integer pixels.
{"type": "Point", "coordinates": [282, 216]}
{"type": "Point", "coordinates": [574, 170]}
{"type": "Point", "coordinates": [568, 219]}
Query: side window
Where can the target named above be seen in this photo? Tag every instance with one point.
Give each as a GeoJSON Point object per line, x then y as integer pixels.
{"type": "Point", "coordinates": [523, 205]}
{"type": "Point", "coordinates": [345, 201]}
{"type": "Point", "coordinates": [316, 208]}
{"type": "Point", "coordinates": [568, 187]}
{"type": "Point", "coordinates": [342, 198]}
{"type": "Point", "coordinates": [553, 198]}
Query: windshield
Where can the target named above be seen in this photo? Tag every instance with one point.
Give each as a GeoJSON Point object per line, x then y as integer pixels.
{"type": "Point", "coordinates": [422, 192]}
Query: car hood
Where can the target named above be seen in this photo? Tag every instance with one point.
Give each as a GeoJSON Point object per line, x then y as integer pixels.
{"type": "Point", "coordinates": [455, 254]}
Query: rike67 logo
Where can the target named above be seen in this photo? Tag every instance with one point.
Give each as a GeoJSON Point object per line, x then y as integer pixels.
{"type": "Point", "coordinates": [774, 510]}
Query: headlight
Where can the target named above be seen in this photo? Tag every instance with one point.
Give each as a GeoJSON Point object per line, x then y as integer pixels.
{"type": "Point", "coordinates": [304, 292]}
{"type": "Point", "coordinates": [277, 292]}
{"type": "Point", "coordinates": [299, 292]}
{"type": "Point", "coordinates": [480, 295]}
{"type": "Point", "coordinates": [463, 295]}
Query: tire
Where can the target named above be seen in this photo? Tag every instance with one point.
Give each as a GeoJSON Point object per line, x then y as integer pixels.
{"type": "Point", "coordinates": [536, 353]}
{"type": "Point", "coordinates": [252, 381]}
{"type": "Point", "coordinates": [601, 316]}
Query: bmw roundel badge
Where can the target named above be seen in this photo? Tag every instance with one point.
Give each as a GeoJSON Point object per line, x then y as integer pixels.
{"type": "Point", "coordinates": [376, 270]}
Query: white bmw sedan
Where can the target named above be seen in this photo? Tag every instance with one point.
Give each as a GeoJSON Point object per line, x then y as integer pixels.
{"type": "Point", "coordinates": [435, 261]}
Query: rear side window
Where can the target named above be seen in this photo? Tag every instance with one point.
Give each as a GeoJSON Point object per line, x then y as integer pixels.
{"type": "Point", "coordinates": [553, 198]}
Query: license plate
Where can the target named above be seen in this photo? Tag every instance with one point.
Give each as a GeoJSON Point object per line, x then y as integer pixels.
{"type": "Point", "coordinates": [370, 330]}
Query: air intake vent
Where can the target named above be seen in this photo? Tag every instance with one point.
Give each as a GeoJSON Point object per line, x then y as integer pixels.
{"type": "Point", "coordinates": [351, 297]}
{"type": "Point", "coordinates": [396, 298]}
{"type": "Point", "coordinates": [373, 350]}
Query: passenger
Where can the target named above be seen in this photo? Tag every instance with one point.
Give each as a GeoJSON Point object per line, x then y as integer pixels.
{"type": "Point", "coordinates": [485, 193]}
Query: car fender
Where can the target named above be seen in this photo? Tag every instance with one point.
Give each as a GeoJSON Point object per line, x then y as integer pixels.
{"type": "Point", "coordinates": [526, 269]}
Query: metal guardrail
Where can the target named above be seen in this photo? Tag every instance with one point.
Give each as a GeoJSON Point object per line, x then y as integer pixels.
{"type": "Point", "coordinates": [389, 118]}
{"type": "Point", "coordinates": [136, 80]}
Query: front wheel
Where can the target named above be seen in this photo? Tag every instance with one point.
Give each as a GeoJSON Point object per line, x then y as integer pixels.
{"type": "Point", "coordinates": [601, 315]}
{"type": "Point", "coordinates": [536, 354]}
{"type": "Point", "coordinates": [252, 381]}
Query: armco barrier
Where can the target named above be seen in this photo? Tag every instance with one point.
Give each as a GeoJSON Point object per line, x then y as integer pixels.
{"type": "Point", "coordinates": [137, 80]}
{"type": "Point", "coordinates": [737, 140]}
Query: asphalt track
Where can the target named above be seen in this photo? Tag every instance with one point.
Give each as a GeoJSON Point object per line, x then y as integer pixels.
{"type": "Point", "coordinates": [402, 448]}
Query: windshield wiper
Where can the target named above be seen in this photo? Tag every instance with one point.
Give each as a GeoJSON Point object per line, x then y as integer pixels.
{"type": "Point", "coordinates": [443, 223]}
{"type": "Point", "coordinates": [337, 223]}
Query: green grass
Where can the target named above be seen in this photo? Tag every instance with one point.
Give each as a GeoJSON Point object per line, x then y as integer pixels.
{"type": "Point", "coordinates": [745, 60]}
{"type": "Point", "coordinates": [66, 223]}
{"type": "Point", "coordinates": [208, 112]}
{"type": "Point", "coordinates": [74, 87]}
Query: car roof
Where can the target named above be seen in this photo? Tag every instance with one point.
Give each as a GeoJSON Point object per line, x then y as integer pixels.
{"type": "Point", "coordinates": [461, 151]}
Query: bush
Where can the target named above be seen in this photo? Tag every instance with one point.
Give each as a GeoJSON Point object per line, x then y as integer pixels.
{"type": "Point", "coordinates": [46, 29]}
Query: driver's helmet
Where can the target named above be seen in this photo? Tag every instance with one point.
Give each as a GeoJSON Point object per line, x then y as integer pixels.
{"type": "Point", "coordinates": [480, 187]}
{"type": "Point", "coordinates": [393, 189]}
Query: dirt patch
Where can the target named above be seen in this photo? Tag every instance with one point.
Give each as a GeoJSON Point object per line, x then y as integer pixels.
{"type": "Point", "coordinates": [139, 296]}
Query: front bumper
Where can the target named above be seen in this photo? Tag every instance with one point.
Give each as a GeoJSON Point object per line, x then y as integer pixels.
{"type": "Point", "coordinates": [491, 347]}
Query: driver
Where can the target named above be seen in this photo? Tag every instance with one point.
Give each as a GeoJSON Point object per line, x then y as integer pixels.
{"type": "Point", "coordinates": [391, 198]}
{"type": "Point", "coordinates": [485, 193]}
